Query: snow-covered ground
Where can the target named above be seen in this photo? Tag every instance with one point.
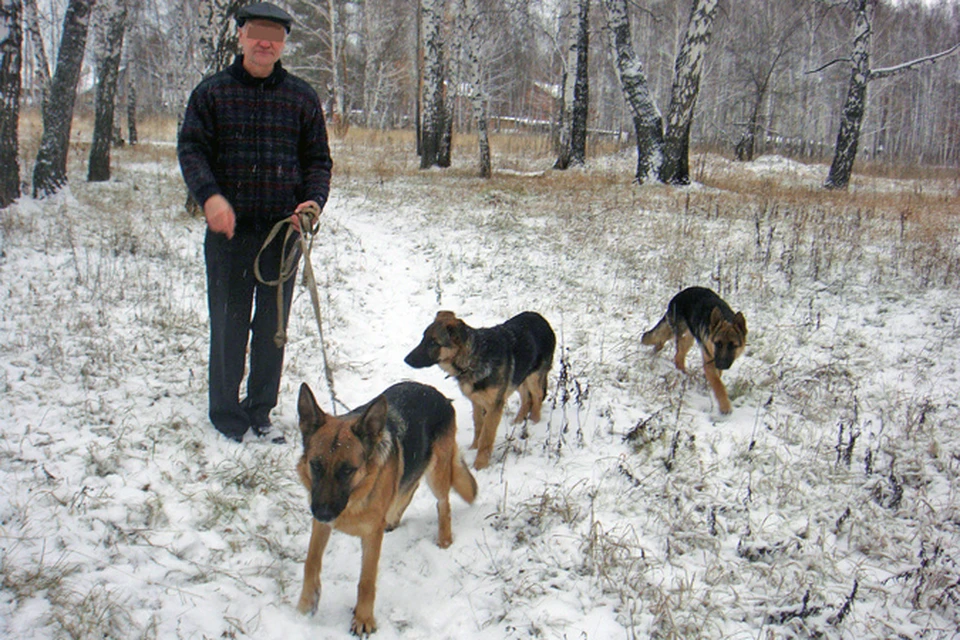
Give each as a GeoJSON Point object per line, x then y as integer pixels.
{"type": "Point", "coordinates": [825, 505]}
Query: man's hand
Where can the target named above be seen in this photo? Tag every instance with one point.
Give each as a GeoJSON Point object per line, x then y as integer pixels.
{"type": "Point", "coordinates": [220, 216]}
{"type": "Point", "coordinates": [310, 209]}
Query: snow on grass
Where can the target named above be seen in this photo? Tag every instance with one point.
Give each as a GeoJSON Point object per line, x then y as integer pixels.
{"type": "Point", "coordinates": [825, 505]}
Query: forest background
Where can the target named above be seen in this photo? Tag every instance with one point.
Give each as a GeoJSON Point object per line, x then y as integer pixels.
{"type": "Point", "coordinates": [774, 74]}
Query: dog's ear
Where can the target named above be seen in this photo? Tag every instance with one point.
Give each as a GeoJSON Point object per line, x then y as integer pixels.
{"type": "Point", "coordinates": [312, 416]}
{"type": "Point", "coordinates": [740, 323]}
{"type": "Point", "coordinates": [452, 327]}
{"type": "Point", "coordinates": [716, 319]}
{"type": "Point", "coordinates": [369, 428]}
{"type": "Point", "coordinates": [458, 332]}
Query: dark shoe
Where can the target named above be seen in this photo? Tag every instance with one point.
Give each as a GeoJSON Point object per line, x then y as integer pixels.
{"type": "Point", "coordinates": [269, 433]}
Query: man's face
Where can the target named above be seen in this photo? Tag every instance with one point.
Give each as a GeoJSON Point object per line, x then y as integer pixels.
{"type": "Point", "coordinates": [262, 42]}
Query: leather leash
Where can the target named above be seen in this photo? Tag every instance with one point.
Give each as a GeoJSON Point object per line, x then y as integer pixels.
{"type": "Point", "coordinates": [289, 257]}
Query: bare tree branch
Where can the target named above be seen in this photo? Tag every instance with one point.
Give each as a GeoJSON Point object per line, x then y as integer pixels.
{"type": "Point", "coordinates": [886, 72]}
{"type": "Point", "coordinates": [832, 62]}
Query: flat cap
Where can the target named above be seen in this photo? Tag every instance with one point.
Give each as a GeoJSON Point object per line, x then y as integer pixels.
{"type": "Point", "coordinates": [264, 11]}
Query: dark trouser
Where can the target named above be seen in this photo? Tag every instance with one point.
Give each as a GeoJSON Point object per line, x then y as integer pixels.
{"type": "Point", "coordinates": [232, 290]}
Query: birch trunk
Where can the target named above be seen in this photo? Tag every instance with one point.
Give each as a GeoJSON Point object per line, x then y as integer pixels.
{"type": "Point", "coordinates": [31, 23]}
{"type": "Point", "coordinates": [109, 49]}
{"type": "Point", "coordinates": [647, 121]}
{"type": "Point", "coordinates": [433, 125]}
{"type": "Point", "coordinates": [50, 168]}
{"type": "Point", "coordinates": [132, 136]}
{"type": "Point", "coordinates": [848, 136]}
{"type": "Point", "coordinates": [686, 86]}
{"type": "Point", "coordinates": [218, 38]}
{"type": "Point", "coordinates": [478, 100]}
{"type": "Point", "coordinates": [11, 40]}
{"type": "Point", "coordinates": [581, 89]}
{"type": "Point", "coordinates": [339, 116]}
{"type": "Point", "coordinates": [418, 103]}
{"type": "Point", "coordinates": [564, 110]}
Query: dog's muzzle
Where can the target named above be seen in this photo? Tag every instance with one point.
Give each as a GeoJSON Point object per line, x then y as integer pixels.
{"type": "Point", "coordinates": [323, 513]}
{"type": "Point", "coordinates": [723, 362]}
{"type": "Point", "coordinates": [419, 359]}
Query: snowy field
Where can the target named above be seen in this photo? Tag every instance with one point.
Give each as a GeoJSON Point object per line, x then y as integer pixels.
{"type": "Point", "coordinates": [826, 505]}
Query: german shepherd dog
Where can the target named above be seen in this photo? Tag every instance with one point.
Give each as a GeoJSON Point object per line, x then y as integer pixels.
{"type": "Point", "coordinates": [362, 470]}
{"type": "Point", "coordinates": [489, 365]}
{"type": "Point", "coordinates": [700, 314]}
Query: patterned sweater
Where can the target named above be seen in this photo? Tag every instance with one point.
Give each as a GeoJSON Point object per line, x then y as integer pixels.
{"type": "Point", "coordinates": [261, 143]}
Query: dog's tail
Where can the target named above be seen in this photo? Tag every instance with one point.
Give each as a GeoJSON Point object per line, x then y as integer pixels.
{"type": "Point", "coordinates": [463, 481]}
{"type": "Point", "coordinates": [659, 334]}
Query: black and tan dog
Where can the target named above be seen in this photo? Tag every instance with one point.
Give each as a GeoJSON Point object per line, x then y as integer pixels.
{"type": "Point", "coordinates": [700, 314]}
{"type": "Point", "coordinates": [362, 470]}
{"type": "Point", "coordinates": [490, 364]}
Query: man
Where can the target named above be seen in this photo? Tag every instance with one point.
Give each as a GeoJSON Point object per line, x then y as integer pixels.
{"type": "Point", "coordinates": [253, 150]}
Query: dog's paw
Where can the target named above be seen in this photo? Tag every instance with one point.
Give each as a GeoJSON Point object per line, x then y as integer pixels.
{"type": "Point", "coordinates": [483, 459]}
{"type": "Point", "coordinates": [720, 417]}
{"type": "Point", "coordinates": [363, 625]}
{"type": "Point", "coordinates": [308, 603]}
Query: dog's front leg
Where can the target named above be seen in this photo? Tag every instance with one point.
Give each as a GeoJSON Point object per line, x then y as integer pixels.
{"type": "Point", "coordinates": [716, 384]}
{"type": "Point", "coordinates": [684, 342]}
{"type": "Point", "coordinates": [310, 596]}
{"type": "Point", "coordinates": [488, 434]}
{"type": "Point", "coordinates": [363, 621]}
{"type": "Point", "coordinates": [479, 415]}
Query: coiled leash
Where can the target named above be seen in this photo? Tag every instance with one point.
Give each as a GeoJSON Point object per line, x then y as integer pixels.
{"type": "Point", "coordinates": [289, 257]}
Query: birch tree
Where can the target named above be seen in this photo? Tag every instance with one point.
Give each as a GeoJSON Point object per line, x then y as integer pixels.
{"type": "Point", "coordinates": [568, 62]}
{"type": "Point", "coordinates": [218, 33]}
{"type": "Point", "coordinates": [686, 86]}
{"type": "Point", "coordinates": [109, 48]}
{"type": "Point", "coordinates": [338, 91]}
{"type": "Point", "coordinates": [433, 110]}
{"type": "Point", "coordinates": [131, 81]}
{"type": "Point", "coordinates": [31, 24]}
{"type": "Point", "coordinates": [854, 107]}
{"type": "Point", "coordinates": [474, 36]}
{"type": "Point", "coordinates": [660, 154]}
{"type": "Point", "coordinates": [573, 147]}
{"type": "Point", "coordinates": [50, 168]}
{"type": "Point", "coordinates": [581, 88]}
{"type": "Point", "coordinates": [11, 46]}
{"type": "Point", "coordinates": [647, 120]}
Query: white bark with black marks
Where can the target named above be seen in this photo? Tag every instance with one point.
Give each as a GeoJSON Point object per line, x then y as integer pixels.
{"type": "Point", "coordinates": [686, 87]}
{"type": "Point", "coordinates": [339, 118]}
{"type": "Point", "coordinates": [848, 136]}
{"type": "Point", "coordinates": [132, 136]}
{"type": "Point", "coordinates": [433, 114]}
{"type": "Point", "coordinates": [31, 25]}
{"type": "Point", "coordinates": [565, 108]}
{"type": "Point", "coordinates": [647, 120]}
{"type": "Point", "coordinates": [218, 32]}
{"type": "Point", "coordinates": [108, 50]}
{"type": "Point", "coordinates": [474, 36]}
{"type": "Point", "coordinates": [50, 168]}
{"type": "Point", "coordinates": [581, 88]}
{"type": "Point", "coordinates": [11, 40]}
